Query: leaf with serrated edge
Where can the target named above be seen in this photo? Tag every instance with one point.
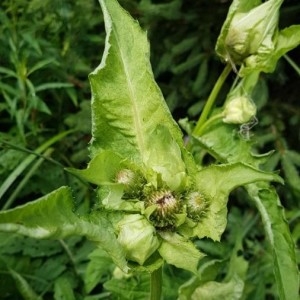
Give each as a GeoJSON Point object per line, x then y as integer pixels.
{"type": "Point", "coordinates": [127, 104]}
{"type": "Point", "coordinates": [216, 182]}
{"type": "Point", "coordinates": [52, 216]}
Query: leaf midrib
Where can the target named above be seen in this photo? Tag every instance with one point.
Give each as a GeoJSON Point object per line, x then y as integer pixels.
{"type": "Point", "coordinates": [138, 128]}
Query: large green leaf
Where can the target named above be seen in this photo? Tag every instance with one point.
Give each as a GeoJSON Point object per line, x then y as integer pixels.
{"type": "Point", "coordinates": [52, 216]}
{"type": "Point", "coordinates": [212, 290]}
{"type": "Point", "coordinates": [282, 244]}
{"type": "Point", "coordinates": [127, 104]}
{"type": "Point", "coordinates": [215, 183]}
{"type": "Point", "coordinates": [230, 143]}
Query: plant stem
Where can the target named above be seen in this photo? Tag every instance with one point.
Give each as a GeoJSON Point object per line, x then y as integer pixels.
{"type": "Point", "coordinates": [211, 99]}
{"type": "Point", "coordinates": [292, 63]}
{"type": "Point", "coordinates": [156, 284]}
{"type": "Point", "coordinates": [209, 122]}
{"type": "Point", "coordinates": [70, 255]}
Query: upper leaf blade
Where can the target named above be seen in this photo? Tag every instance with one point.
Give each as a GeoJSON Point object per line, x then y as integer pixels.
{"type": "Point", "coordinates": [127, 103]}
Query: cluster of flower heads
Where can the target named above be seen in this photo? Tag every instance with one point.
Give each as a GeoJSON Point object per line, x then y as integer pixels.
{"type": "Point", "coordinates": [164, 208]}
{"type": "Point", "coordinates": [160, 210]}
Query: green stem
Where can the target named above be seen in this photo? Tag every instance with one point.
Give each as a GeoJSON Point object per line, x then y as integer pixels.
{"type": "Point", "coordinates": [208, 123]}
{"type": "Point", "coordinates": [212, 99]}
{"type": "Point", "coordinates": [292, 63]}
{"type": "Point", "coordinates": [70, 255]}
{"type": "Point", "coordinates": [156, 284]}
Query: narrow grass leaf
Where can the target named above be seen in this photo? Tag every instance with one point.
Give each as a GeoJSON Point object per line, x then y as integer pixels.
{"type": "Point", "coordinates": [26, 162]}
{"type": "Point", "coordinates": [52, 85]}
{"type": "Point", "coordinates": [63, 289]}
{"type": "Point", "coordinates": [23, 287]}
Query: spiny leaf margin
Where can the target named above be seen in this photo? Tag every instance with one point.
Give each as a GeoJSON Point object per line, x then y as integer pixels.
{"type": "Point", "coordinates": [52, 217]}
{"type": "Point", "coordinates": [127, 103]}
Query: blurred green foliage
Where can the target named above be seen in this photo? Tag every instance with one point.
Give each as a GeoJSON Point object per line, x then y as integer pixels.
{"type": "Point", "coordinates": [47, 50]}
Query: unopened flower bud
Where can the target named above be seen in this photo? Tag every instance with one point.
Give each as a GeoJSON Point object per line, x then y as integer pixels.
{"type": "Point", "coordinates": [133, 183]}
{"type": "Point", "coordinates": [196, 205]}
{"type": "Point", "coordinates": [125, 176]}
{"type": "Point", "coordinates": [249, 30]}
{"type": "Point", "coordinates": [239, 110]}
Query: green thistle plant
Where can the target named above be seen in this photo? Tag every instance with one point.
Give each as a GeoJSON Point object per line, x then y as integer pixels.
{"type": "Point", "coordinates": [139, 222]}
{"type": "Point", "coordinates": [134, 133]}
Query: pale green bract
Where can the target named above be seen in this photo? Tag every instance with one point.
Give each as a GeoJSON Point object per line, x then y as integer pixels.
{"type": "Point", "coordinates": [146, 218]}
{"type": "Point", "coordinates": [137, 236]}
